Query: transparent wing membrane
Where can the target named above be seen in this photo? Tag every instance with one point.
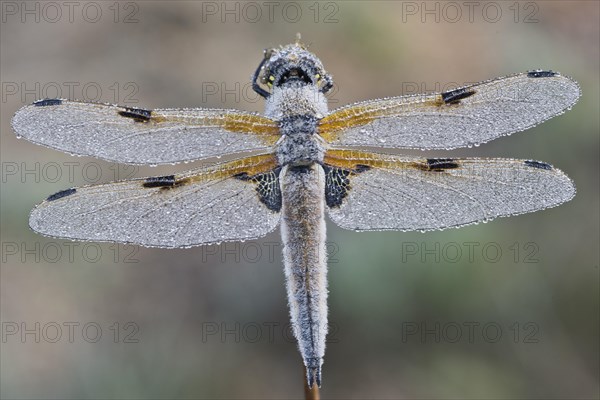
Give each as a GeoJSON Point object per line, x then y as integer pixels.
{"type": "Point", "coordinates": [230, 201]}
{"type": "Point", "coordinates": [458, 118]}
{"type": "Point", "coordinates": [138, 136]}
{"type": "Point", "coordinates": [383, 192]}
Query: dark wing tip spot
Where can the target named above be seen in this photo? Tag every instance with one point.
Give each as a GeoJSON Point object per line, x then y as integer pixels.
{"type": "Point", "coordinates": [47, 102]}
{"type": "Point", "coordinates": [61, 194]}
{"type": "Point", "coordinates": [538, 73]}
{"type": "Point", "coordinates": [538, 164]}
{"type": "Point", "coordinates": [456, 95]}
{"type": "Point", "coordinates": [137, 114]}
{"type": "Point", "coordinates": [440, 164]}
{"type": "Point", "coordinates": [160, 181]}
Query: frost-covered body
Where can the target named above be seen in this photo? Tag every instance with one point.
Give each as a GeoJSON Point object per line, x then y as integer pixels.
{"type": "Point", "coordinates": [298, 104]}
{"type": "Point", "coordinates": [305, 260]}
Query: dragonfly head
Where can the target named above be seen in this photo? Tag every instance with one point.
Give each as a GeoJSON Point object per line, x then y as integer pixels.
{"type": "Point", "coordinates": [292, 66]}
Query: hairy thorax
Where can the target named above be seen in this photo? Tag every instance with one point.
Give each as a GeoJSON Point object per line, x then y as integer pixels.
{"type": "Point", "coordinates": [298, 110]}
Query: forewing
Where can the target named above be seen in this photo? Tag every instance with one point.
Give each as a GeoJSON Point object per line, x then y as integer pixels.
{"type": "Point", "coordinates": [139, 136]}
{"type": "Point", "coordinates": [366, 191]}
{"type": "Point", "coordinates": [458, 118]}
{"type": "Point", "coordinates": [238, 200]}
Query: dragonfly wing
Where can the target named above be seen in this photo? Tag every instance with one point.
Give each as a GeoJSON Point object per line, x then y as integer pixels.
{"type": "Point", "coordinates": [367, 191]}
{"type": "Point", "coordinates": [458, 118]}
{"type": "Point", "coordinates": [138, 136]}
{"type": "Point", "coordinates": [238, 200]}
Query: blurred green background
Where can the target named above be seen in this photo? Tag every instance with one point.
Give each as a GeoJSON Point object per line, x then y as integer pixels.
{"type": "Point", "coordinates": [507, 309]}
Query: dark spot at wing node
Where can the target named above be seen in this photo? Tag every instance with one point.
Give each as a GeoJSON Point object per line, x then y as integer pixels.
{"type": "Point", "coordinates": [538, 73]}
{"type": "Point", "coordinates": [137, 114]}
{"type": "Point", "coordinates": [456, 95]}
{"type": "Point", "coordinates": [48, 102]}
{"type": "Point", "coordinates": [337, 183]}
{"type": "Point", "coordinates": [267, 187]}
{"type": "Point", "coordinates": [160, 181]}
{"type": "Point", "coordinates": [538, 164]}
{"type": "Point", "coordinates": [243, 176]}
{"type": "Point", "coordinates": [61, 194]}
{"type": "Point", "coordinates": [439, 164]}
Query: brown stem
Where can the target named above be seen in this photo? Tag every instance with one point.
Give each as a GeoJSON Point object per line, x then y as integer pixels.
{"type": "Point", "coordinates": [310, 394]}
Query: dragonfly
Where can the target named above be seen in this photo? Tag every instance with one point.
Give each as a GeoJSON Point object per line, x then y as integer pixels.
{"type": "Point", "coordinates": [298, 162]}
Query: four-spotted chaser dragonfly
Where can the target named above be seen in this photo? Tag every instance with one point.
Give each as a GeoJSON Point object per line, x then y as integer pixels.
{"type": "Point", "coordinates": [301, 161]}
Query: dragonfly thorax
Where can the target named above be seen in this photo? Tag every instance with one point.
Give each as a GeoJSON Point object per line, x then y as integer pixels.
{"type": "Point", "coordinates": [299, 143]}
{"type": "Point", "coordinates": [297, 108]}
{"type": "Point", "coordinates": [296, 99]}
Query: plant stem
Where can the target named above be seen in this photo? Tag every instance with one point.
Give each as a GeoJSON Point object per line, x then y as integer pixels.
{"type": "Point", "coordinates": [310, 394]}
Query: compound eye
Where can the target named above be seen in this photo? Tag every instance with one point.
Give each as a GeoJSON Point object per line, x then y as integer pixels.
{"type": "Point", "coordinates": [263, 76]}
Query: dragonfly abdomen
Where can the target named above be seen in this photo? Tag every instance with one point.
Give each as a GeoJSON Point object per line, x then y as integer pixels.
{"type": "Point", "coordinates": [305, 260]}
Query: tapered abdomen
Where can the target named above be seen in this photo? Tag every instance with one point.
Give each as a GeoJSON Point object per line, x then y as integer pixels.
{"type": "Point", "coordinates": [305, 260]}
